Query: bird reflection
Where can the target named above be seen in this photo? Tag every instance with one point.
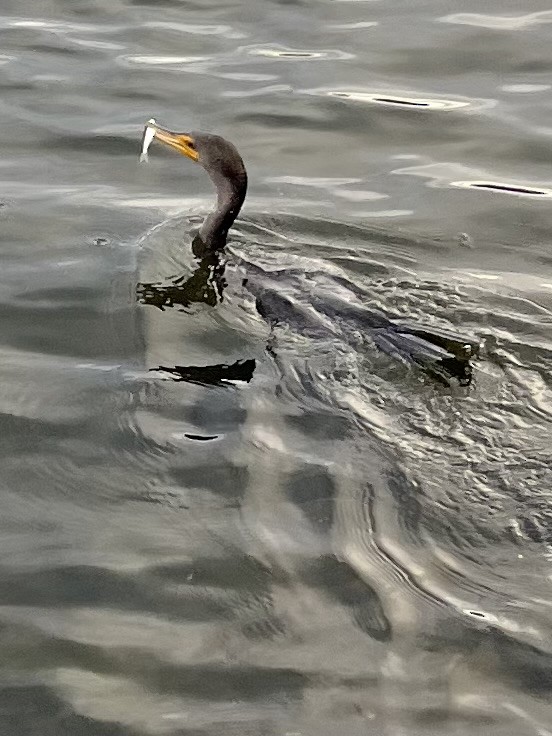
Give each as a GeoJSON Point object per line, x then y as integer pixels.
{"type": "Point", "coordinates": [212, 375]}
{"type": "Point", "coordinates": [206, 284]}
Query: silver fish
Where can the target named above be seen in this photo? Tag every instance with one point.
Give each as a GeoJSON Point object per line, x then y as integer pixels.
{"type": "Point", "coordinates": [149, 135]}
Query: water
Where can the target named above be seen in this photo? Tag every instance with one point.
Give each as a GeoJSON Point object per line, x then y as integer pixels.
{"type": "Point", "coordinates": [336, 543]}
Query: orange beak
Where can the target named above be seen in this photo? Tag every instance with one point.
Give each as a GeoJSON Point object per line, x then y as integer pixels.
{"type": "Point", "coordinates": [181, 142]}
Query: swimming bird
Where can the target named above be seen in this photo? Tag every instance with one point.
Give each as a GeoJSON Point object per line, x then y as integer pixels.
{"type": "Point", "coordinates": [442, 352]}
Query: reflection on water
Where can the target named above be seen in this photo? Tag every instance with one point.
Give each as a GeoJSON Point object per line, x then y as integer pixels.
{"type": "Point", "coordinates": [507, 188]}
{"type": "Point", "coordinates": [205, 285]}
{"type": "Point", "coordinates": [383, 99]}
{"type": "Point", "coordinates": [512, 22]}
{"type": "Point", "coordinates": [226, 506]}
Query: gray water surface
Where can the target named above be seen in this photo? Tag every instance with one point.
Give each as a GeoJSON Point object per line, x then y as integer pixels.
{"type": "Point", "coordinates": [336, 543]}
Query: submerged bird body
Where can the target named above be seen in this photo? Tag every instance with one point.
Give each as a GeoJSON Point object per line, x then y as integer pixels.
{"type": "Point", "coordinates": [443, 353]}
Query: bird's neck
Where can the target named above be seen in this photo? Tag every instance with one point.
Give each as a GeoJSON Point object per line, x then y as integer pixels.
{"type": "Point", "coordinates": [230, 197]}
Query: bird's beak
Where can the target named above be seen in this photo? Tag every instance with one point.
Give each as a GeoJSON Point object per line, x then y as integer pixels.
{"type": "Point", "coordinates": [181, 142]}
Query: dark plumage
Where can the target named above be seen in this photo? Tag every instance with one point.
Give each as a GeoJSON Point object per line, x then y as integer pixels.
{"type": "Point", "coordinates": [225, 167]}
{"type": "Point", "coordinates": [442, 352]}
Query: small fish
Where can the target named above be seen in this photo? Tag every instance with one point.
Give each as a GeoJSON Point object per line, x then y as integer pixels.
{"type": "Point", "coordinates": [149, 135]}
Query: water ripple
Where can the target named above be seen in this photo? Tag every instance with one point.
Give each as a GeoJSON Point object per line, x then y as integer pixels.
{"type": "Point", "coordinates": [55, 26]}
{"type": "Point", "coordinates": [281, 52]}
{"type": "Point", "coordinates": [102, 45]}
{"type": "Point", "coordinates": [331, 184]}
{"type": "Point", "coordinates": [521, 190]}
{"type": "Point", "coordinates": [525, 88]}
{"type": "Point", "coordinates": [196, 29]}
{"type": "Point", "coordinates": [409, 101]}
{"type": "Point", "coordinates": [161, 61]}
{"type": "Point", "coordinates": [444, 175]}
{"type": "Point", "coordinates": [356, 26]}
{"type": "Point", "coordinates": [499, 22]}
{"type": "Point", "coordinates": [325, 540]}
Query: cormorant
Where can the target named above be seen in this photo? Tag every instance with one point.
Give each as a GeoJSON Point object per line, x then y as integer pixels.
{"type": "Point", "coordinates": [442, 352]}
